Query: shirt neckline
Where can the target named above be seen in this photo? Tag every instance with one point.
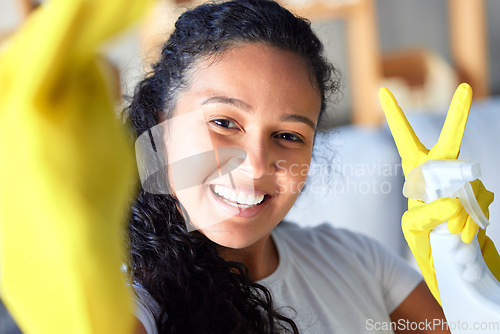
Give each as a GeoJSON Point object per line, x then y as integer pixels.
{"type": "Point", "coordinates": [283, 260]}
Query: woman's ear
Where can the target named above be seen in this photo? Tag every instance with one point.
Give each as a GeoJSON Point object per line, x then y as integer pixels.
{"type": "Point", "coordinates": [161, 115]}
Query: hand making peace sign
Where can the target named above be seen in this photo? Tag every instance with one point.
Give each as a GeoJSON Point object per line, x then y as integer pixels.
{"type": "Point", "coordinates": [421, 218]}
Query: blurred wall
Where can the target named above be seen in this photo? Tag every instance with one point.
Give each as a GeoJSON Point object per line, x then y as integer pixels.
{"type": "Point", "coordinates": [401, 24]}
{"type": "Point", "coordinates": [8, 14]}
{"type": "Point", "coordinates": [494, 43]}
{"type": "Point", "coordinates": [408, 24]}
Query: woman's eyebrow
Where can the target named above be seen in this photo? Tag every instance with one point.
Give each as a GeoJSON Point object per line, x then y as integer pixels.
{"type": "Point", "coordinates": [299, 118]}
{"type": "Point", "coordinates": [228, 100]}
{"type": "Point", "coordinates": [243, 105]}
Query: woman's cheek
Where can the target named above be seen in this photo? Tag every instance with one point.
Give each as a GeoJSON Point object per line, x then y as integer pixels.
{"type": "Point", "coordinates": [291, 177]}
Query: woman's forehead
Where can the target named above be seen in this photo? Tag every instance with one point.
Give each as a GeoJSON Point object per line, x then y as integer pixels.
{"type": "Point", "coordinates": [257, 74]}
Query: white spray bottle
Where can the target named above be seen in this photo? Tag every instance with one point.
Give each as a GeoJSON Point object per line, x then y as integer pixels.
{"type": "Point", "coordinates": [470, 294]}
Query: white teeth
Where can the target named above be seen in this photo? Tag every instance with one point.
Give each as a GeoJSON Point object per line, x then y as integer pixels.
{"type": "Point", "coordinates": [250, 199]}
{"type": "Point", "coordinates": [233, 196]}
{"type": "Point", "coordinates": [240, 198]}
{"type": "Point", "coordinates": [225, 193]}
{"type": "Point", "coordinates": [259, 199]}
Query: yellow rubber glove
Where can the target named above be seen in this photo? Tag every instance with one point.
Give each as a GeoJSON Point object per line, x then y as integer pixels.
{"type": "Point", "coordinates": [420, 219]}
{"type": "Point", "coordinates": [66, 172]}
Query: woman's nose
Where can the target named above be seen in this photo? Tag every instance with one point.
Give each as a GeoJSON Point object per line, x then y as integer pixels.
{"type": "Point", "coordinates": [259, 161]}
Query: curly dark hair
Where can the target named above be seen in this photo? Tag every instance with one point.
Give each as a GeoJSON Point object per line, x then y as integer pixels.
{"type": "Point", "coordinates": [197, 290]}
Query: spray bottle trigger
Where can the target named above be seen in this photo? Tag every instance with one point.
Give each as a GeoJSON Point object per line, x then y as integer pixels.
{"type": "Point", "coordinates": [468, 199]}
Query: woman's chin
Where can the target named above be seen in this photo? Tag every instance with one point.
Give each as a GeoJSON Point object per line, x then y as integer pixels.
{"type": "Point", "coordinates": [232, 234]}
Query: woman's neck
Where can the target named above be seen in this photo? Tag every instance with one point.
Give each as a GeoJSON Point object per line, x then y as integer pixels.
{"type": "Point", "coordinates": [261, 258]}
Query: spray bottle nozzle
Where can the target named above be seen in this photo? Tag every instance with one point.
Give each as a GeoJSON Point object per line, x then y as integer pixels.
{"type": "Point", "coordinates": [446, 178]}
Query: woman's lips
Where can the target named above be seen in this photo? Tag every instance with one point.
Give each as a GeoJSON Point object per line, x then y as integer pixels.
{"type": "Point", "coordinates": [239, 203]}
{"type": "Point", "coordinates": [238, 197]}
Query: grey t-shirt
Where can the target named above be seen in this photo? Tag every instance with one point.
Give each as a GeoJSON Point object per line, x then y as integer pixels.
{"type": "Point", "coordinates": [328, 281]}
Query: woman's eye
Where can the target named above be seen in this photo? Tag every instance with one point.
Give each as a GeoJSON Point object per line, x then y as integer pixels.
{"type": "Point", "coordinates": [290, 137]}
{"type": "Point", "coordinates": [224, 123]}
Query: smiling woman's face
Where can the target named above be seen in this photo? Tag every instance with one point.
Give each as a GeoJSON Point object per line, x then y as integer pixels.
{"type": "Point", "coordinates": [258, 103]}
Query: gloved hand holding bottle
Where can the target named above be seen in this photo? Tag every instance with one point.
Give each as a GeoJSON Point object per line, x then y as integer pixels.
{"type": "Point", "coordinates": [421, 218]}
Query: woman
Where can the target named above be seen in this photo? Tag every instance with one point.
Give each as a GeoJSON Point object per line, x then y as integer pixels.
{"type": "Point", "coordinates": [209, 256]}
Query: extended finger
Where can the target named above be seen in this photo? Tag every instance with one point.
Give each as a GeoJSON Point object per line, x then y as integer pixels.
{"type": "Point", "coordinates": [404, 136]}
{"type": "Point", "coordinates": [448, 144]}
